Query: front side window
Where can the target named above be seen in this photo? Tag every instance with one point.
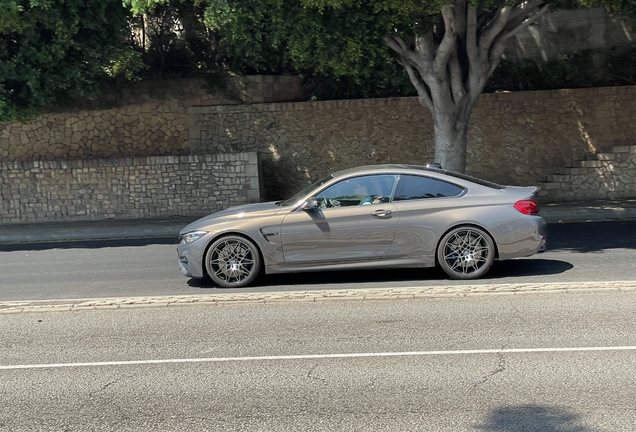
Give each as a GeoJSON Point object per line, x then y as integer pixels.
{"type": "Point", "coordinates": [363, 190]}
{"type": "Point", "coordinates": [411, 187]}
{"type": "Point", "coordinates": [294, 200]}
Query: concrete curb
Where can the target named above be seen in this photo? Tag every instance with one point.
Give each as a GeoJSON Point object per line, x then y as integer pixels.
{"type": "Point", "coordinates": [17, 307]}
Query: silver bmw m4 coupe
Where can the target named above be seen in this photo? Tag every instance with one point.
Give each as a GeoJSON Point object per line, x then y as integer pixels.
{"type": "Point", "coordinates": [381, 216]}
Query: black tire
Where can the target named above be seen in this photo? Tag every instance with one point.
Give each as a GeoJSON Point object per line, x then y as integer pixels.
{"type": "Point", "coordinates": [466, 252]}
{"type": "Point", "coordinates": [233, 261]}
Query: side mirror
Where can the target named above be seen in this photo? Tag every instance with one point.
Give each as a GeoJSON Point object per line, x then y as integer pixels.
{"type": "Point", "coordinates": [310, 205]}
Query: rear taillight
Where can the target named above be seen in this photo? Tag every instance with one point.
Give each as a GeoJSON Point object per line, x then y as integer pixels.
{"type": "Point", "coordinates": [527, 207]}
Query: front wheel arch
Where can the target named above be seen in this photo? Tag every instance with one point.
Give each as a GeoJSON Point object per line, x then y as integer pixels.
{"type": "Point", "coordinates": [236, 235]}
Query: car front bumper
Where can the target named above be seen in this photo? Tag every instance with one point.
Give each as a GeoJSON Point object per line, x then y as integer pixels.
{"type": "Point", "coordinates": [190, 259]}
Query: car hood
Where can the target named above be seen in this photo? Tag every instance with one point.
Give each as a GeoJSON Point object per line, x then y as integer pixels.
{"type": "Point", "coordinates": [233, 213]}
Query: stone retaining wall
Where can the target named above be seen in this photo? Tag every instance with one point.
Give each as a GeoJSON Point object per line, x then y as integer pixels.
{"type": "Point", "coordinates": [608, 174]}
{"type": "Point", "coordinates": [299, 142]}
{"type": "Point", "coordinates": [149, 119]}
{"type": "Point", "coordinates": [514, 138]}
{"type": "Point", "coordinates": [140, 187]}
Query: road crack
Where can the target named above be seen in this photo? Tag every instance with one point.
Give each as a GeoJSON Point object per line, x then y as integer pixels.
{"type": "Point", "coordinates": [105, 386]}
{"type": "Point", "coordinates": [311, 375]}
{"type": "Point", "coordinates": [501, 367]}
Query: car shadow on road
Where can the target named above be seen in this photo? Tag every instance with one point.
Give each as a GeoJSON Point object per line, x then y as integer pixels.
{"type": "Point", "coordinates": [532, 418]}
{"type": "Point", "coordinates": [87, 244]}
{"type": "Point", "coordinates": [527, 267]}
{"type": "Point", "coordinates": [592, 236]}
{"type": "Point", "coordinates": [506, 269]}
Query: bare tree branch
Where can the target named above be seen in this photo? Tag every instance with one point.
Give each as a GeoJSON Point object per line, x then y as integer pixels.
{"type": "Point", "coordinates": [500, 44]}
{"type": "Point", "coordinates": [525, 8]}
{"type": "Point", "coordinates": [492, 31]}
{"type": "Point", "coordinates": [447, 45]}
{"type": "Point", "coordinates": [398, 45]}
{"type": "Point", "coordinates": [456, 78]}
{"type": "Point", "coordinates": [459, 11]}
{"type": "Point", "coordinates": [471, 36]}
{"type": "Point", "coordinates": [419, 85]}
{"type": "Point", "coordinates": [514, 26]}
{"type": "Point", "coordinates": [425, 46]}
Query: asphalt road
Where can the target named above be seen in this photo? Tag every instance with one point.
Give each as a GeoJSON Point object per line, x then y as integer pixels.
{"type": "Point", "coordinates": [538, 362]}
{"type": "Point", "coordinates": [579, 252]}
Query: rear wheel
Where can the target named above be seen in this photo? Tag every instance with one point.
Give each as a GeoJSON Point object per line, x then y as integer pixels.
{"type": "Point", "coordinates": [233, 262]}
{"type": "Point", "coordinates": [466, 253]}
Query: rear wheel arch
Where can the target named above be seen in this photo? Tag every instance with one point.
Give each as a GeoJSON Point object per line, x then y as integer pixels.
{"type": "Point", "coordinates": [469, 227]}
{"type": "Point", "coordinates": [473, 225]}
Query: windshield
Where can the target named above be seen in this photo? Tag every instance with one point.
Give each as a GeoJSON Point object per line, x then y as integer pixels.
{"type": "Point", "coordinates": [302, 193]}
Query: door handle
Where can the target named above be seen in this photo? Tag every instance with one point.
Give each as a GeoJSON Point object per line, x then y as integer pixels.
{"type": "Point", "coordinates": [382, 214]}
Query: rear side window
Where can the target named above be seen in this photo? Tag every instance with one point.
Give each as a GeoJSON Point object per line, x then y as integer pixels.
{"type": "Point", "coordinates": [411, 187]}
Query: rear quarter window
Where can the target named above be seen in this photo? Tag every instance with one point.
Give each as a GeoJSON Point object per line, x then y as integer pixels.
{"type": "Point", "coordinates": [412, 187]}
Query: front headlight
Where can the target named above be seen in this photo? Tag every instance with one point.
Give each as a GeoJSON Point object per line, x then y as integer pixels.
{"type": "Point", "coordinates": [193, 236]}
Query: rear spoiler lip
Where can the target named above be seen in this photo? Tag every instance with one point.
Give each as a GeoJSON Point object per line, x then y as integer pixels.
{"type": "Point", "coordinates": [522, 190]}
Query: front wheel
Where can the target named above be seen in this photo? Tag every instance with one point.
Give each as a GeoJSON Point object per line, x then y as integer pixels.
{"type": "Point", "coordinates": [233, 262]}
{"type": "Point", "coordinates": [466, 253]}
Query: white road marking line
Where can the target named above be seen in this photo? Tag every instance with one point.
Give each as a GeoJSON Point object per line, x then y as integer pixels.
{"type": "Point", "coordinates": [320, 356]}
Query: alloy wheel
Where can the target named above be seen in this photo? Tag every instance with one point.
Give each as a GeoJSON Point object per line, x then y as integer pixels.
{"type": "Point", "coordinates": [233, 261]}
{"type": "Point", "coordinates": [466, 253]}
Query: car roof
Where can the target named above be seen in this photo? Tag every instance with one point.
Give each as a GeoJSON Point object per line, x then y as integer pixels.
{"type": "Point", "coordinates": [413, 169]}
{"type": "Point", "coordinates": [369, 169]}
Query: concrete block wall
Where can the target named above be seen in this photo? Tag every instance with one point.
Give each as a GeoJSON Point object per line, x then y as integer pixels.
{"type": "Point", "coordinates": [140, 187]}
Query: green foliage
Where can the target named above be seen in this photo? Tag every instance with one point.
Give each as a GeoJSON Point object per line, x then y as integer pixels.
{"type": "Point", "coordinates": [251, 37]}
{"type": "Point", "coordinates": [390, 84]}
{"type": "Point", "coordinates": [569, 71]}
{"type": "Point", "coordinates": [302, 36]}
{"type": "Point", "coordinates": [337, 45]}
{"type": "Point", "coordinates": [623, 8]}
{"type": "Point", "coordinates": [622, 67]}
{"type": "Point", "coordinates": [127, 65]}
{"type": "Point", "coordinates": [54, 50]}
{"type": "Point", "coordinates": [173, 38]}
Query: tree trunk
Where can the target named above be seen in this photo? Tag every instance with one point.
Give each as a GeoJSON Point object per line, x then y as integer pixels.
{"type": "Point", "coordinates": [450, 64]}
{"type": "Point", "coordinates": [451, 138]}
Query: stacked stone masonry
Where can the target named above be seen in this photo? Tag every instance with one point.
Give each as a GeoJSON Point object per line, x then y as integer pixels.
{"type": "Point", "coordinates": [609, 174]}
{"type": "Point", "coordinates": [513, 138]}
{"type": "Point", "coordinates": [150, 121]}
{"type": "Point", "coordinates": [140, 187]}
{"type": "Point", "coordinates": [300, 142]}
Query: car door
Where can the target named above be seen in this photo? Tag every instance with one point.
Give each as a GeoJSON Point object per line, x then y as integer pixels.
{"type": "Point", "coordinates": [425, 205]}
{"type": "Point", "coordinates": [355, 222]}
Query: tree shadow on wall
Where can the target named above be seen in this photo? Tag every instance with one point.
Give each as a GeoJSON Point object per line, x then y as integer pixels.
{"type": "Point", "coordinates": [532, 418]}
{"type": "Point", "coordinates": [281, 177]}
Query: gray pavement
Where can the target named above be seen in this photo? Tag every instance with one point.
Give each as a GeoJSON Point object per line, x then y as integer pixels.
{"type": "Point", "coordinates": [114, 229]}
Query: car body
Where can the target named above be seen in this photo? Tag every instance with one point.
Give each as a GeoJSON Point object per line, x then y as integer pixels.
{"type": "Point", "coordinates": [380, 216]}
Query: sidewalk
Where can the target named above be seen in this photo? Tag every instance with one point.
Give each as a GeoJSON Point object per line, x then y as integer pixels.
{"type": "Point", "coordinates": [114, 229]}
